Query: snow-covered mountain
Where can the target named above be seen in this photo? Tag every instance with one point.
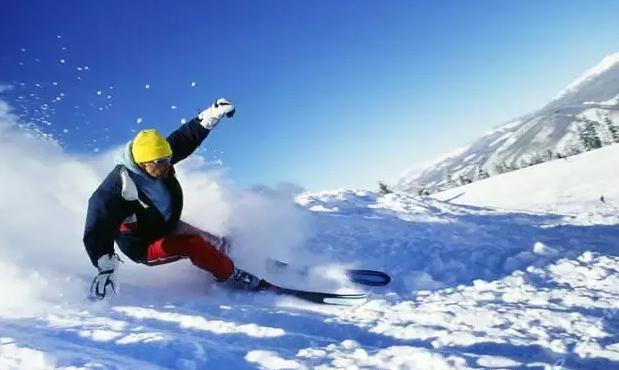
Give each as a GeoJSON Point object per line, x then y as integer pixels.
{"type": "Point", "coordinates": [551, 131]}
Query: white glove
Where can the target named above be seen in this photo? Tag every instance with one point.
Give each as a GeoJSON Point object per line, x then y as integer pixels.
{"type": "Point", "coordinates": [209, 118]}
{"type": "Point", "coordinates": [105, 281]}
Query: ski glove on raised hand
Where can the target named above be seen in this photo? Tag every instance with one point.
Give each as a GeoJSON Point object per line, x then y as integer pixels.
{"type": "Point", "coordinates": [209, 118]}
{"type": "Point", "coordinates": [105, 281]}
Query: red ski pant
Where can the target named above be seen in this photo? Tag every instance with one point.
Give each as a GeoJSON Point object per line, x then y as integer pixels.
{"type": "Point", "coordinates": [195, 244]}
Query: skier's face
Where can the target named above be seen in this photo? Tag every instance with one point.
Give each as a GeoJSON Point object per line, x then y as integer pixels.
{"type": "Point", "coordinates": [157, 170]}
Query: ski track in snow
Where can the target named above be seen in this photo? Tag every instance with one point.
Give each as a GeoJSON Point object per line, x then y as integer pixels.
{"type": "Point", "coordinates": [519, 271]}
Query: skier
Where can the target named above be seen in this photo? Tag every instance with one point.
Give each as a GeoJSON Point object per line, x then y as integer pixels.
{"type": "Point", "coordinates": [139, 205]}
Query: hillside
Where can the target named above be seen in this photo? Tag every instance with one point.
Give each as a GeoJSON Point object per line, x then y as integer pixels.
{"type": "Point", "coordinates": [583, 116]}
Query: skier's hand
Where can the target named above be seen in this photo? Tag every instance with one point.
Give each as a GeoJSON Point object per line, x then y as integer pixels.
{"type": "Point", "coordinates": [105, 281]}
{"type": "Point", "coordinates": [209, 118]}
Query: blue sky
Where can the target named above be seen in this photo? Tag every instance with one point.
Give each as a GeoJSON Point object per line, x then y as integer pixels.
{"type": "Point", "coordinates": [329, 94]}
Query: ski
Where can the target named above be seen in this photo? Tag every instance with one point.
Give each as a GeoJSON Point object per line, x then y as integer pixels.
{"type": "Point", "coordinates": [364, 277]}
{"type": "Point", "coordinates": [354, 299]}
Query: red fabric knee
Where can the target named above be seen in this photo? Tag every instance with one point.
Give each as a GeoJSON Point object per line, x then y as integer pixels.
{"type": "Point", "coordinates": [201, 253]}
{"type": "Point", "coordinates": [220, 242]}
{"type": "Point", "coordinates": [166, 250]}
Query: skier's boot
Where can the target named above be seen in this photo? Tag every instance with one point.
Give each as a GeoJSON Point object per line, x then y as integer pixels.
{"type": "Point", "coordinates": [245, 280]}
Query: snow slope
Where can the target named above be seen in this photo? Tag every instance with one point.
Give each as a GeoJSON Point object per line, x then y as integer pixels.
{"type": "Point", "coordinates": [592, 97]}
{"type": "Point", "coordinates": [571, 186]}
{"type": "Point", "coordinates": [532, 284]}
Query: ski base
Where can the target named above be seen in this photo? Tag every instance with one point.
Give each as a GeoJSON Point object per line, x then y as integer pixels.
{"type": "Point", "coordinates": [354, 299]}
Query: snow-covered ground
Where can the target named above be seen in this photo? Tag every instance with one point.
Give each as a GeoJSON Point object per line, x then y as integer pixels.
{"type": "Point", "coordinates": [519, 271]}
{"type": "Point", "coordinates": [572, 187]}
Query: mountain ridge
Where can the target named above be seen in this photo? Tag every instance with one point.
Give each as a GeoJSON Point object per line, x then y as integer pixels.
{"type": "Point", "coordinates": [581, 117]}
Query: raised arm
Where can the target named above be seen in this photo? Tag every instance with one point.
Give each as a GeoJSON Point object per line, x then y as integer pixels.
{"type": "Point", "coordinates": [187, 138]}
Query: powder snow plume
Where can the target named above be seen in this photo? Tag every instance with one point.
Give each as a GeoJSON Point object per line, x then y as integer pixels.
{"type": "Point", "coordinates": [43, 204]}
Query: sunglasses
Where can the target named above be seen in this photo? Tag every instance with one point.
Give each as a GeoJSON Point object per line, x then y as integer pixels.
{"type": "Point", "coordinates": [164, 160]}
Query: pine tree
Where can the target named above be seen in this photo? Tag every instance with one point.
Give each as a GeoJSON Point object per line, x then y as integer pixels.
{"type": "Point", "coordinates": [449, 181]}
{"type": "Point", "coordinates": [500, 167]}
{"type": "Point", "coordinates": [511, 167]}
{"type": "Point", "coordinates": [597, 143]}
{"type": "Point", "coordinates": [465, 180]}
{"type": "Point", "coordinates": [574, 150]}
{"type": "Point", "coordinates": [589, 136]}
{"type": "Point", "coordinates": [535, 159]}
{"type": "Point", "coordinates": [482, 174]}
{"type": "Point", "coordinates": [548, 155]}
{"type": "Point", "coordinates": [423, 192]}
{"type": "Point", "coordinates": [582, 134]}
{"type": "Point", "coordinates": [614, 130]}
{"type": "Point", "coordinates": [523, 163]}
{"type": "Point", "coordinates": [383, 189]}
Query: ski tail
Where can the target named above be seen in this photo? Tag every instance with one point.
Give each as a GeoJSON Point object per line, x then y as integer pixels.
{"type": "Point", "coordinates": [368, 277]}
{"type": "Point", "coordinates": [364, 277]}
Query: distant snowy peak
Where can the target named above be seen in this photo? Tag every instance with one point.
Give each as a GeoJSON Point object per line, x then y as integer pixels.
{"type": "Point", "coordinates": [612, 101]}
{"type": "Point", "coordinates": [606, 64]}
{"type": "Point", "coordinates": [504, 128]}
{"type": "Point", "coordinates": [597, 84]}
{"type": "Point", "coordinates": [554, 130]}
{"type": "Point", "coordinates": [419, 168]}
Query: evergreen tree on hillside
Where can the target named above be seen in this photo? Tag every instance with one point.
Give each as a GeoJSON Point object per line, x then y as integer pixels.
{"type": "Point", "coordinates": [535, 159]}
{"type": "Point", "coordinates": [383, 189]}
{"type": "Point", "coordinates": [573, 150]}
{"type": "Point", "coordinates": [523, 163]}
{"type": "Point", "coordinates": [511, 167]}
{"type": "Point", "coordinates": [423, 192]}
{"type": "Point", "coordinates": [465, 180]}
{"type": "Point", "coordinates": [614, 130]}
{"type": "Point", "coordinates": [482, 174]}
{"type": "Point", "coordinates": [449, 181]}
{"type": "Point", "coordinates": [581, 136]}
{"type": "Point", "coordinates": [597, 143]}
{"type": "Point", "coordinates": [548, 155]}
{"type": "Point", "coordinates": [589, 136]}
{"type": "Point", "coordinates": [500, 167]}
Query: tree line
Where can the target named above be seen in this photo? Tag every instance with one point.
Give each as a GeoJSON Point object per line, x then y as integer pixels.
{"type": "Point", "coordinates": [591, 134]}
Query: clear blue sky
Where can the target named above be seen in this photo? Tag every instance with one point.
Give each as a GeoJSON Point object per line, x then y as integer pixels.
{"type": "Point", "coordinates": [330, 94]}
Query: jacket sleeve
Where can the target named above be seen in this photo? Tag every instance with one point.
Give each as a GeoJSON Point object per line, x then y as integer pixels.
{"type": "Point", "coordinates": [103, 219]}
{"type": "Point", "coordinates": [186, 139]}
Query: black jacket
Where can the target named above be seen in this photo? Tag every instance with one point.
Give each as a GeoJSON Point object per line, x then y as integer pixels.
{"type": "Point", "coordinates": [108, 206]}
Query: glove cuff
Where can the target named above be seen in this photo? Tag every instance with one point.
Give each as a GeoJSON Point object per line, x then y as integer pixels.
{"type": "Point", "coordinates": [107, 262]}
{"type": "Point", "coordinates": [207, 121]}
